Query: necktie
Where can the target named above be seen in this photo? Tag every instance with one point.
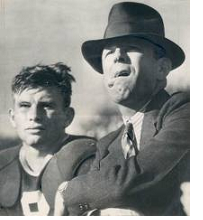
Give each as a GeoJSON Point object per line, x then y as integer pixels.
{"type": "Point", "coordinates": [128, 142]}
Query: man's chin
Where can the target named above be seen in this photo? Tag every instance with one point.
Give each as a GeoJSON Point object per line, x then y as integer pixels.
{"type": "Point", "coordinates": [120, 97]}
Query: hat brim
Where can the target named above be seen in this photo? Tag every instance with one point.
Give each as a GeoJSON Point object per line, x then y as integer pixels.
{"type": "Point", "coordinates": [92, 50]}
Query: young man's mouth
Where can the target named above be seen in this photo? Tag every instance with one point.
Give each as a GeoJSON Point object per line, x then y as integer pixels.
{"type": "Point", "coordinates": [35, 129]}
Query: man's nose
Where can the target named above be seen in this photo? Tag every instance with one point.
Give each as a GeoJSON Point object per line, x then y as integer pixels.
{"type": "Point", "coordinates": [35, 113]}
{"type": "Point", "coordinates": [120, 55]}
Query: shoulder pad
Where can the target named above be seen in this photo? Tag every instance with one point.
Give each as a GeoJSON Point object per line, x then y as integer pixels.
{"type": "Point", "coordinates": [72, 154]}
{"type": "Point", "coordinates": [8, 155]}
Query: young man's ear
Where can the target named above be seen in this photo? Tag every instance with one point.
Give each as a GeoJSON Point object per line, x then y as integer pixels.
{"type": "Point", "coordinates": [12, 117]}
{"type": "Point", "coordinates": [70, 113]}
{"type": "Point", "coordinates": [164, 67]}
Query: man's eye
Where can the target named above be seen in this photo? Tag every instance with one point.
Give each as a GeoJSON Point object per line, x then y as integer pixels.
{"type": "Point", "coordinates": [132, 49]}
{"type": "Point", "coordinates": [108, 52]}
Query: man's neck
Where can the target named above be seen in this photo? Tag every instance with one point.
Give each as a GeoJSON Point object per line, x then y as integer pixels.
{"type": "Point", "coordinates": [130, 109]}
{"type": "Point", "coordinates": [128, 112]}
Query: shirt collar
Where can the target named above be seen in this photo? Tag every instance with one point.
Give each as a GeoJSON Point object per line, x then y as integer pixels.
{"type": "Point", "coordinates": [136, 117]}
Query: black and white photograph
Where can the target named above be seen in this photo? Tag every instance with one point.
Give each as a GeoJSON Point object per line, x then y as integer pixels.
{"type": "Point", "coordinates": [95, 108]}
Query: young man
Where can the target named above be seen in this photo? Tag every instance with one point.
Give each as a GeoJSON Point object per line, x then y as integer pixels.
{"type": "Point", "coordinates": [30, 173]}
{"type": "Point", "coordinates": [142, 165]}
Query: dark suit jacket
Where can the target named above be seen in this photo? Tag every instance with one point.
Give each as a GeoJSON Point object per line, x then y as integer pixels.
{"type": "Point", "coordinates": [163, 158]}
{"type": "Point", "coordinates": [74, 158]}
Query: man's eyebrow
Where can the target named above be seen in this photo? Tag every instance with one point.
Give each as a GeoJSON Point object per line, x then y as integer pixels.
{"type": "Point", "coordinates": [110, 47]}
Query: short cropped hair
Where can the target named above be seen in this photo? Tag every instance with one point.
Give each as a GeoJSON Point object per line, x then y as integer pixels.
{"type": "Point", "coordinates": [56, 75]}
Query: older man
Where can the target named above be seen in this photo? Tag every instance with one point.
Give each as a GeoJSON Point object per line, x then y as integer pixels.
{"type": "Point", "coordinates": [140, 166]}
{"type": "Point", "coordinates": [30, 173]}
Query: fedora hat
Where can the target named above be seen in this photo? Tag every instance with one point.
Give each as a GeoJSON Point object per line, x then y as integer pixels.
{"type": "Point", "coordinates": [128, 21]}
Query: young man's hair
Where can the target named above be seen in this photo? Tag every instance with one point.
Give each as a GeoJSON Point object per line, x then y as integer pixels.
{"type": "Point", "coordinates": [56, 75]}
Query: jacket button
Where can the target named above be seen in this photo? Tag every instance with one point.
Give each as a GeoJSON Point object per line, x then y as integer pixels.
{"type": "Point", "coordinates": [83, 207]}
{"type": "Point", "coordinates": [86, 206]}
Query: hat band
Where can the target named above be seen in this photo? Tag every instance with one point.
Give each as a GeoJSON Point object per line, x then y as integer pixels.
{"type": "Point", "coordinates": [152, 26]}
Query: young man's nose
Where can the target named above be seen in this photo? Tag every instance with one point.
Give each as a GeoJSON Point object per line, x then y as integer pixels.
{"type": "Point", "coordinates": [35, 113]}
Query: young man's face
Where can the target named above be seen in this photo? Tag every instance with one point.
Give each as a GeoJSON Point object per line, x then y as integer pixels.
{"type": "Point", "coordinates": [130, 72]}
{"type": "Point", "coordinates": [40, 117]}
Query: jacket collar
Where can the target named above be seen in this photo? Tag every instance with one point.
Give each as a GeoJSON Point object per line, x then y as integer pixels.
{"type": "Point", "coordinates": [149, 128]}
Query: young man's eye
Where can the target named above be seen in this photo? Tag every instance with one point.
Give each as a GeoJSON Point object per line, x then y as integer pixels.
{"type": "Point", "coordinates": [24, 105]}
{"type": "Point", "coordinates": [48, 106]}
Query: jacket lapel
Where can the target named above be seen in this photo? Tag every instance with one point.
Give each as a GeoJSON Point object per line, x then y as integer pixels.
{"type": "Point", "coordinates": [148, 127]}
{"type": "Point", "coordinates": [105, 143]}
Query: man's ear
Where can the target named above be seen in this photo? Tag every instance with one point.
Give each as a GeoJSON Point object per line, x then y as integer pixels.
{"type": "Point", "coordinates": [164, 67]}
{"type": "Point", "coordinates": [70, 113]}
{"type": "Point", "coordinates": [12, 117]}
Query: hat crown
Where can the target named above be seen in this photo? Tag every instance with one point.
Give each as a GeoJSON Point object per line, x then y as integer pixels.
{"type": "Point", "coordinates": [128, 18]}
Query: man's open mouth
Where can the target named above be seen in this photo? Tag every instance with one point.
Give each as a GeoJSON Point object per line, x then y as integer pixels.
{"type": "Point", "coordinates": [122, 73]}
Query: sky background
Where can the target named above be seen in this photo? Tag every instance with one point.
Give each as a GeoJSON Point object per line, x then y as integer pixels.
{"type": "Point", "coordinates": [50, 31]}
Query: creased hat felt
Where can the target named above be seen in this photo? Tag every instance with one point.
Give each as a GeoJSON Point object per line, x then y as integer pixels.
{"type": "Point", "coordinates": [126, 22]}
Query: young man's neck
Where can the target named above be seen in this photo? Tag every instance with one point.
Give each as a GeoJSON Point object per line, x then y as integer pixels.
{"type": "Point", "coordinates": [42, 151]}
{"type": "Point", "coordinates": [35, 156]}
{"type": "Point", "coordinates": [33, 160]}
{"type": "Point", "coordinates": [34, 152]}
